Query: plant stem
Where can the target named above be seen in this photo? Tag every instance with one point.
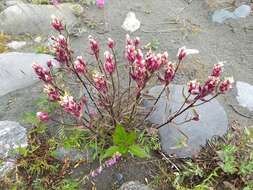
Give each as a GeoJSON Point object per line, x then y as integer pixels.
{"type": "Point", "coordinates": [84, 85]}
{"type": "Point", "coordinates": [157, 99]}
{"type": "Point", "coordinates": [117, 71]}
{"type": "Point", "coordinates": [186, 108]}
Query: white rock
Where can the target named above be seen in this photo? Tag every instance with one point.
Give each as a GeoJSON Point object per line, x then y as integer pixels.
{"type": "Point", "coordinates": [12, 135]}
{"type": "Point", "coordinates": [16, 44]}
{"type": "Point", "coordinates": [16, 70]}
{"type": "Point", "coordinates": [131, 23]}
{"type": "Point", "coordinates": [245, 94]}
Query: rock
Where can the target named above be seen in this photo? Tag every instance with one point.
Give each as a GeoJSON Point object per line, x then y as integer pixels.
{"type": "Point", "coordinates": [220, 16]}
{"type": "Point", "coordinates": [16, 44]}
{"type": "Point", "coordinates": [245, 94]}
{"type": "Point", "coordinates": [12, 135]}
{"type": "Point", "coordinates": [213, 122]}
{"type": "Point", "coordinates": [134, 185]}
{"type": "Point", "coordinates": [35, 19]}
{"type": "Point", "coordinates": [72, 154]}
{"type": "Point", "coordinates": [131, 23]}
{"type": "Point", "coordinates": [12, 2]}
{"type": "Point", "coordinates": [16, 70]}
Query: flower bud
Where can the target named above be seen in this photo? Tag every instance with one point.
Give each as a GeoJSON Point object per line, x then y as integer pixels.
{"type": "Point", "coordinates": [226, 85]}
{"type": "Point", "coordinates": [100, 83]}
{"type": "Point", "coordinates": [80, 65]}
{"type": "Point", "coordinates": [110, 43]}
{"type": "Point", "coordinates": [209, 86]}
{"type": "Point", "coordinates": [109, 65]}
{"type": "Point", "coordinates": [217, 69]}
{"type": "Point", "coordinates": [100, 3]}
{"type": "Point", "coordinates": [194, 87]}
{"type": "Point", "coordinates": [49, 64]}
{"type": "Point", "coordinates": [183, 52]}
{"type": "Point", "coordinates": [169, 73]}
{"type": "Point", "coordinates": [53, 94]}
{"type": "Point", "coordinates": [94, 46]}
{"type": "Point", "coordinates": [57, 24]}
{"type": "Point", "coordinates": [42, 73]}
{"type": "Point", "coordinates": [42, 116]}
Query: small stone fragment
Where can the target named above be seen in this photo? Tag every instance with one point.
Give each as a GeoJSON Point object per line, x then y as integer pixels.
{"type": "Point", "coordinates": [131, 23]}
{"type": "Point", "coordinates": [245, 95]}
{"type": "Point", "coordinates": [134, 185]}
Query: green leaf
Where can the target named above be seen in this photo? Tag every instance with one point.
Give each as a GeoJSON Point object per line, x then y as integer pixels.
{"type": "Point", "coordinates": [110, 152]}
{"type": "Point", "coordinates": [136, 150]}
{"type": "Point", "coordinates": [131, 138]}
{"type": "Point", "coordinates": [123, 149]}
{"type": "Point", "coordinates": [120, 135]}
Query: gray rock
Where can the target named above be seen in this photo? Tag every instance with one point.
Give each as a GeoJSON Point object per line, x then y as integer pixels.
{"type": "Point", "coordinates": [16, 70]}
{"type": "Point", "coordinates": [72, 154]}
{"type": "Point", "coordinates": [213, 122]}
{"type": "Point", "coordinates": [12, 135]}
{"type": "Point", "coordinates": [12, 2]}
{"type": "Point", "coordinates": [35, 19]}
{"type": "Point", "coordinates": [134, 185]}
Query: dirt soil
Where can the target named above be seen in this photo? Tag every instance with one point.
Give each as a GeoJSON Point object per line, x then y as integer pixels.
{"type": "Point", "coordinates": [173, 23]}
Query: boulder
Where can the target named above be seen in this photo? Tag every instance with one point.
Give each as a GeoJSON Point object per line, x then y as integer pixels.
{"type": "Point", "coordinates": [12, 135]}
{"type": "Point", "coordinates": [185, 140]}
{"type": "Point", "coordinates": [24, 18]}
{"type": "Point", "coordinates": [16, 70]}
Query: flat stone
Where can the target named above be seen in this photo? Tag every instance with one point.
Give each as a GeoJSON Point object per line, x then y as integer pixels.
{"type": "Point", "coordinates": [24, 18]}
{"type": "Point", "coordinates": [72, 154]}
{"type": "Point", "coordinates": [12, 135]}
{"type": "Point", "coordinates": [213, 122]}
{"type": "Point", "coordinates": [134, 185]}
{"type": "Point", "coordinates": [16, 70]}
{"type": "Point", "coordinates": [245, 95]}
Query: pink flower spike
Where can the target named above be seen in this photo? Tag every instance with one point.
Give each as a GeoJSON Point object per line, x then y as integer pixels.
{"type": "Point", "coordinates": [52, 93]}
{"type": "Point", "coordinates": [42, 116]}
{"type": "Point", "coordinates": [217, 69]}
{"type": "Point", "coordinates": [109, 64]}
{"type": "Point", "coordinates": [110, 43]}
{"type": "Point", "coordinates": [42, 73]}
{"type": "Point", "coordinates": [100, 3]}
{"type": "Point", "coordinates": [183, 52]}
{"type": "Point", "coordinates": [226, 85]}
{"type": "Point", "coordinates": [71, 106]}
{"type": "Point", "coordinates": [128, 40]}
{"type": "Point", "coordinates": [49, 64]}
{"type": "Point", "coordinates": [169, 73]}
{"type": "Point", "coordinates": [80, 65]}
{"type": "Point", "coordinates": [57, 24]}
{"type": "Point", "coordinates": [94, 46]}
{"type": "Point", "coordinates": [100, 83]}
{"type": "Point", "coordinates": [194, 87]}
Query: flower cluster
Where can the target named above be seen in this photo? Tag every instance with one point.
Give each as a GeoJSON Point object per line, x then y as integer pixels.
{"type": "Point", "coordinates": [71, 106]}
{"type": "Point", "coordinates": [42, 73]}
{"type": "Point", "coordinates": [142, 67]}
{"type": "Point", "coordinates": [42, 116]}
{"type": "Point", "coordinates": [60, 49]}
{"type": "Point", "coordinates": [80, 65]}
{"type": "Point", "coordinates": [212, 85]}
{"type": "Point", "coordinates": [100, 83]}
{"type": "Point", "coordinates": [109, 65]}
